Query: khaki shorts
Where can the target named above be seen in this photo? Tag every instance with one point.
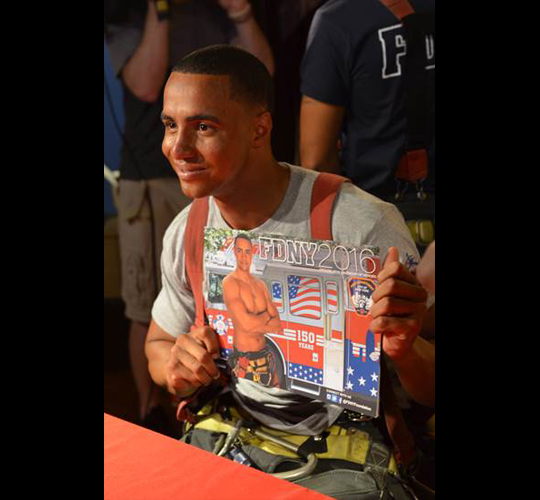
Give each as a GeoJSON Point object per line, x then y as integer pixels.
{"type": "Point", "coordinates": [140, 223]}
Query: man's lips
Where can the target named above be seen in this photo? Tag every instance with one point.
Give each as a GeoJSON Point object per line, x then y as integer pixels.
{"type": "Point", "coordinates": [190, 172]}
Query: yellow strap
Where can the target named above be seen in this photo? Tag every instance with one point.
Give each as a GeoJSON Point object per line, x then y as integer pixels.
{"type": "Point", "coordinates": [351, 445]}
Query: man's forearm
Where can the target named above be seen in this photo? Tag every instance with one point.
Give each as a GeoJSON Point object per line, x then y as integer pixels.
{"type": "Point", "coordinates": [249, 322]}
{"type": "Point", "coordinates": [144, 74]}
{"type": "Point", "coordinates": [416, 371]}
{"type": "Point", "coordinates": [273, 325]}
{"type": "Point", "coordinates": [158, 352]}
{"type": "Point", "coordinates": [252, 39]}
{"type": "Point", "coordinates": [320, 126]}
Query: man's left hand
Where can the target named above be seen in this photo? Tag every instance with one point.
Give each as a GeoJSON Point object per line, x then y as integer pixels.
{"type": "Point", "coordinates": [399, 307]}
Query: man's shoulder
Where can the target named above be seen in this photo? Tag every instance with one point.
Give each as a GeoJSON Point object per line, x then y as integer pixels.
{"type": "Point", "coordinates": [339, 7]}
{"type": "Point", "coordinates": [345, 12]}
{"type": "Point", "coordinates": [301, 176]}
{"type": "Point", "coordinates": [229, 280]}
{"type": "Point", "coordinates": [358, 215]}
{"type": "Point", "coordinates": [358, 18]}
{"type": "Point", "coordinates": [258, 282]}
{"type": "Point", "coordinates": [353, 199]}
{"type": "Point", "coordinates": [350, 197]}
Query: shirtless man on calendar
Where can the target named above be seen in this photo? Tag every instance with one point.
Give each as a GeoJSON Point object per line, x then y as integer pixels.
{"type": "Point", "coordinates": [253, 314]}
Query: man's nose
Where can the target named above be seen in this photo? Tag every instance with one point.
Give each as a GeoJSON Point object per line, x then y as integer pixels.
{"type": "Point", "coordinates": [184, 145]}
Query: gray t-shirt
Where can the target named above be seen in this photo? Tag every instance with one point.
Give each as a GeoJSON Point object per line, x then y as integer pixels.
{"type": "Point", "coordinates": [358, 219]}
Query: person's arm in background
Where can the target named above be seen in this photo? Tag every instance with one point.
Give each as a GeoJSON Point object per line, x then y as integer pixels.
{"type": "Point", "coordinates": [145, 72]}
{"type": "Point", "coordinates": [325, 94]}
{"type": "Point", "coordinates": [425, 273]}
{"type": "Point", "coordinates": [250, 36]}
{"type": "Point", "coordinates": [320, 126]}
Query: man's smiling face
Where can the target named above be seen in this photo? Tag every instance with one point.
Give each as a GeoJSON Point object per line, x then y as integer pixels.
{"type": "Point", "coordinates": [207, 135]}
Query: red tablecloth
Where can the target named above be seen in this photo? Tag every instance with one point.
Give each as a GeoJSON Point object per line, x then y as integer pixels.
{"type": "Point", "coordinates": [143, 465]}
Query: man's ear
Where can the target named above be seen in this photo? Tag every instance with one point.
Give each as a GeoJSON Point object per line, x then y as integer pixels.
{"type": "Point", "coordinates": [262, 130]}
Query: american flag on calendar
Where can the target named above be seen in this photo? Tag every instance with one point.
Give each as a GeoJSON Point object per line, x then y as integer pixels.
{"type": "Point", "coordinates": [304, 296]}
{"type": "Point", "coordinates": [277, 294]}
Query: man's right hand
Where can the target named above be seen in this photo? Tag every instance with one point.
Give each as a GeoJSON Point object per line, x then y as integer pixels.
{"type": "Point", "coordinates": [191, 361]}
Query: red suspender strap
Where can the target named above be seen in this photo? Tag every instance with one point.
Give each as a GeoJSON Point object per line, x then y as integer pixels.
{"type": "Point", "coordinates": [193, 251]}
{"type": "Point", "coordinates": [193, 261]}
{"type": "Point", "coordinates": [323, 195]}
{"type": "Point", "coordinates": [400, 8]}
{"type": "Point", "coordinates": [325, 190]}
{"type": "Point", "coordinates": [413, 166]}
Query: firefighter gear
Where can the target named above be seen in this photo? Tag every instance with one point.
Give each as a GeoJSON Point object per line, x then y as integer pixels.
{"type": "Point", "coordinates": [259, 366]}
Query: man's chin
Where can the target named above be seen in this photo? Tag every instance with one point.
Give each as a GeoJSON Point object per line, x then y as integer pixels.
{"type": "Point", "coordinates": [195, 190]}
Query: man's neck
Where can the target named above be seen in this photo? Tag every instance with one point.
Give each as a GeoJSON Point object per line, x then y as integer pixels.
{"type": "Point", "coordinates": [259, 199]}
{"type": "Point", "coordinates": [243, 276]}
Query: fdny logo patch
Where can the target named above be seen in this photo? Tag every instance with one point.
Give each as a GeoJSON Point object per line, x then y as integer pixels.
{"type": "Point", "coordinates": [361, 290]}
{"type": "Point", "coordinates": [220, 325]}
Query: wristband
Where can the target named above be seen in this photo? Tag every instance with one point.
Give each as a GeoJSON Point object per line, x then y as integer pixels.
{"type": "Point", "coordinates": [243, 15]}
{"type": "Point", "coordinates": [162, 8]}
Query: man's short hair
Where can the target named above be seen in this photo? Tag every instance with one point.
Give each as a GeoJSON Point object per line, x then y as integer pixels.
{"type": "Point", "coordinates": [242, 236]}
{"type": "Point", "coordinates": [250, 80]}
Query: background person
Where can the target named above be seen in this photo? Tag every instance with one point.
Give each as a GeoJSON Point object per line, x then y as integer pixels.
{"type": "Point", "coordinates": [354, 117]}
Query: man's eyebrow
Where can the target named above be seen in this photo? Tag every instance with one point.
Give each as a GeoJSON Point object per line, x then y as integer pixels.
{"type": "Point", "coordinates": [203, 116]}
{"type": "Point", "coordinates": [199, 117]}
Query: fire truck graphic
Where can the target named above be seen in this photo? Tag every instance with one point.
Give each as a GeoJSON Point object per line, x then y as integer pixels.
{"type": "Point", "coordinates": [325, 350]}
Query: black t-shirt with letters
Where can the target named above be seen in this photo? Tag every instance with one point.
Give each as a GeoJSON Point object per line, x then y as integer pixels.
{"type": "Point", "coordinates": [353, 59]}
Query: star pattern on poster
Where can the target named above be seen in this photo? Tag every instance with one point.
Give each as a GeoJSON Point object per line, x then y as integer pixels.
{"type": "Point", "coordinates": [362, 377]}
{"type": "Point", "coordinates": [307, 373]}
